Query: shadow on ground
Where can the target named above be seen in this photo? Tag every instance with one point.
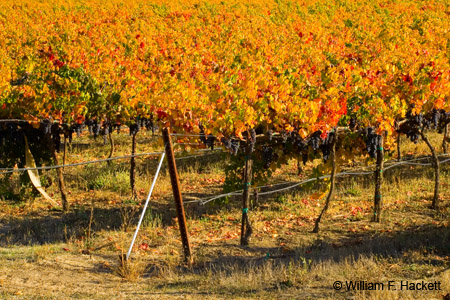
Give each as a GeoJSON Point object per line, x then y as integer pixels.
{"type": "Point", "coordinates": [431, 239]}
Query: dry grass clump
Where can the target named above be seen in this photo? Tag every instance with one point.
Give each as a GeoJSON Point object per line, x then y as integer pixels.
{"type": "Point", "coordinates": [130, 269]}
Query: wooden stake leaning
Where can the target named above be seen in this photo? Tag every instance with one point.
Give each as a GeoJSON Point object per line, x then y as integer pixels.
{"type": "Point", "coordinates": [168, 148]}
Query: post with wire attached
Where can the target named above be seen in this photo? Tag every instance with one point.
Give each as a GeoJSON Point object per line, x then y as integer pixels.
{"type": "Point", "coordinates": [177, 195]}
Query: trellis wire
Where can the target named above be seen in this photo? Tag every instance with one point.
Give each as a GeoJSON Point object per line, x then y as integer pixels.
{"type": "Point", "coordinates": [19, 121]}
{"type": "Point", "coordinates": [9, 170]}
{"type": "Point", "coordinates": [188, 135]}
{"type": "Point", "coordinates": [295, 184]}
{"type": "Point", "coordinates": [12, 170]}
{"type": "Point", "coordinates": [193, 156]}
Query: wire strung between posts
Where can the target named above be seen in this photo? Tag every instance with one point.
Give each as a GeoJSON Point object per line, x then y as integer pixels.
{"type": "Point", "coordinates": [237, 192]}
{"type": "Point", "coordinates": [195, 144]}
{"type": "Point", "coordinates": [295, 184]}
{"type": "Point", "coordinates": [9, 170]}
{"type": "Point", "coordinates": [194, 156]}
{"type": "Point", "coordinates": [414, 159]}
{"type": "Point", "coordinates": [417, 164]}
{"type": "Point", "coordinates": [288, 187]}
{"type": "Point", "coordinates": [395, 161]}
{"type": "Point", "coordinates": [187, 135]}
{"type": "Point", "coordinates": [12, 170]}
{"type": "Point", "coordinates": [392, 163]}
{"type": "Point", "coordinates": [19, 121]}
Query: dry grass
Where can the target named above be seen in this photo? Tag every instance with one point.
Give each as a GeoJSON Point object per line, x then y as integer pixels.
{"type": "Point", "coordinates": [47, 255]}
{"type": "Point", "coordinates": [131, 269]}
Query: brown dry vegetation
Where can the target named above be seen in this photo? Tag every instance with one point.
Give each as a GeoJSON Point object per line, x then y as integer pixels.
{"type": "Point", "coordinates": [45, 254]}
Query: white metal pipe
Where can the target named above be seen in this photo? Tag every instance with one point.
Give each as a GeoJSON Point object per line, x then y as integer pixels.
{"type": "Point", "coordinates": [146, 204]}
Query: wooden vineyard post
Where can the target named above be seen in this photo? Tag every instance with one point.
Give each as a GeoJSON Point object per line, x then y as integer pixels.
{"type": "Point", "coordinates": [168, 148]}
{"type": "Point", "coordinates": [246, 227]}
{"type": "Point", "coordinates": [378, 201]}
{"type": "Point", "coordinates": [111, 144]}
{"type": "Point", "coordinates": [133, 167]}
{"type": "Point", "coordinates": [399, 154]}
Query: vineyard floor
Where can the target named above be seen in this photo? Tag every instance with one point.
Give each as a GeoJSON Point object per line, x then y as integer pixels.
{"type": "Point", "coordinates": [46, 254]}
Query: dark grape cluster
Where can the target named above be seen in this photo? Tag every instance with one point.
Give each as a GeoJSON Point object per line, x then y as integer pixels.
{"type": "Point", "coordinates": [268, 156]}
{"type": "Point", "coordinates": [352, 124]}
{"type": "Point", "coordinates": [288, 146]}
{"type": "Point", "coordinates": [107, 128]}
{"type": "Point", "coordinates": [202, 134]}
{"type": "Point", "coordinates": [12, 145]}
{"type": "Point", "coordinates": [78, 129]}
{"type": "Point", "coordinates": [210, 141]}
{"type": "Point", "coordinates": [56, 136]}
{"type": "Point", "coordinates": [413, 126]}
{"type": "Point", "coordinates": [89, 123]}
{"type": "Point", "coordinates": [226, 142]}
{"type": "Point", "coordinates": [96, 127]}
{"type": "Point", "coordinates": [46, 126]}
{"type": "Point", "coordinates": [297, 141]}
{"type": "Point", "coordinates": [325, 147]}
{"type": "Point", "coordinates": [315, 140]}
{"type": "Point", "coordinates": [150, 125]}
{"type": "Point", "coordinates": [435, 115]}
{"type": "Point", "coordinates": [413, 135]}
{"type": "Point", "coordinates": [207, 140]}
{"type": "Point", "coordinates": [142, 122]}
{"type": "Point", "coordinates": [146, 123]}
{"type": "Point", "coordinates": [11, 133]}
{"type": "Point", "coordinates": [231, 144]}
{"type": "Point", "coordinates": [444, 120]}
{"type": "Point", "coordinates": [302, 145]}
{"type": "Point", "coordinates": [68, 132]}
{"type": "Point", "coordinates": [373, 141]}
{"type": "Point", "coordinates": [234, 146]}
{"type": "Point", "coordinates": [134, 128]}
